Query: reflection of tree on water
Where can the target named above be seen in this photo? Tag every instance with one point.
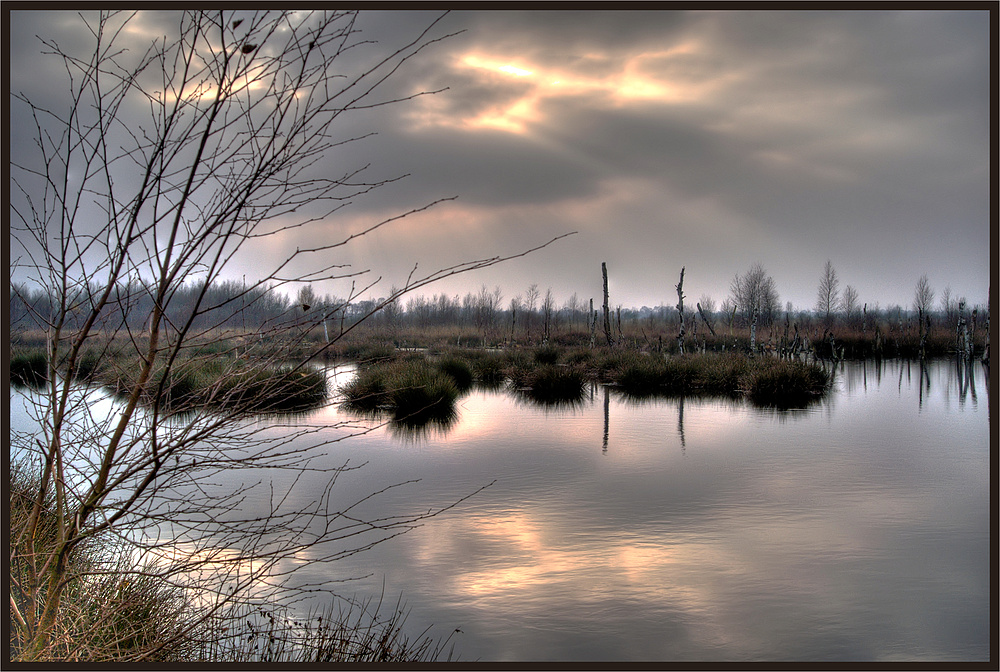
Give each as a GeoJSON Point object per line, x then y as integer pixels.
{"type": "Point", "coordinates": [966, 380]}
{"type": "Point", "coordinates": [639, 400]}
{"type": "Point", "coordinates": [924, 376]}
{"type": "Point", "coordinates": [680, 421]}
{"type": "Point", "coordinates": [607, 406]}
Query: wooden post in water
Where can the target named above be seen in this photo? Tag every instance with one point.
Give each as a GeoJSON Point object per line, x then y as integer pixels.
{"type": "Point", "coordinates": [607, 313]}
{"type": "Point", "coordinates": [963, 332]}
{"type": "Point", "coordinates": [680, 312]}
{"type": "Point", "coordinates": [705, 319]}
{"type": "Point", "coordinates": [607, 417]}
{"type": "Point", "coordinates": [972, 335]}
{"type": "Point", "coordinates": [986, 349]}
{"type": "Point", "coordinates": [920, 331]}
{"type": "Point", "coordinates": [592, 319]}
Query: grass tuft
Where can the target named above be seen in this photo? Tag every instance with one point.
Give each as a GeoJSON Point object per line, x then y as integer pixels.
{"type": "Point", "coordinates": [29, 369]}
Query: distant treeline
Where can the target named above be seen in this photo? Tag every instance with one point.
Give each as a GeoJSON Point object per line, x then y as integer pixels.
{"type": "Point", "coordinates": [529, 317]}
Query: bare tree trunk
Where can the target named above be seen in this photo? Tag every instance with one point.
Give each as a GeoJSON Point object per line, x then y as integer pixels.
{"type": "Point", "coordinates": [963, 333]}
{"type": "Point", "coordinates": [618, 320]}
{"type": "Point", "coordinates": [680, 312]}
{"type": "Point", "coordinates": [607, 313]}
{"type": "Point", "coordinates": [704, 318]}
{"type": "Point", "coordinates": [986, 349]}
{"type": "Point", "coordinates": [592, 320]}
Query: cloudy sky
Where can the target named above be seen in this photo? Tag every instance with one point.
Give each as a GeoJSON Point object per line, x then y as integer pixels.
{"type": "Point", "coordinates": [710, 140]}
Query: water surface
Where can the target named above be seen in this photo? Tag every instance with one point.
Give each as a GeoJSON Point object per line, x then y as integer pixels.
{"type": "Point", "coordinates": [689, 529]}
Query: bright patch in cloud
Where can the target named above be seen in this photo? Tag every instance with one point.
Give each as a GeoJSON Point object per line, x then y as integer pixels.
{"type": "Point", "coordinates": [518, 72]}
{"type": "Point", "coordinates": [640, 77]}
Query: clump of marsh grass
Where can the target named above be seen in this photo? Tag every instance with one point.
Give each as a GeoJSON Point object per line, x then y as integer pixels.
{"type": "Point", "coordinates": [222, 383]}
{"type": "Point", "coordinates": [550, 385]}
{"type": "Point", "coordinates": [489, 369]}
{"type": "Point", "coordinates": [458, 370]}
{"type": "Point", "coordinates": [412, 390]}
{"type": "Point", "coordinates": [365, 353]}
{"type": "Point", "coordinates": [783, 383]}
{"type": "Point", "coordinates": [29, 368]}
{"type": "Point", "coordinates": [546, 354]}
{"type": "Point", "coordinates": [763, 380]}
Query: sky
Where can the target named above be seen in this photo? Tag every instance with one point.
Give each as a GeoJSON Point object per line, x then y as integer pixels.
{"type": "Point", "coordinates": [704, 140]}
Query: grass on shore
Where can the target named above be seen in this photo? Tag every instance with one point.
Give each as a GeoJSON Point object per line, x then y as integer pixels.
{"type": "Point", "coordinates": [114, 612]}
{"type": "Point", "coordinates": [214, 380]}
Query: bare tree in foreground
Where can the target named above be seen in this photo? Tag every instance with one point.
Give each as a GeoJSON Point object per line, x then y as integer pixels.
{"type": "Point", "coordinates": [237, 112]}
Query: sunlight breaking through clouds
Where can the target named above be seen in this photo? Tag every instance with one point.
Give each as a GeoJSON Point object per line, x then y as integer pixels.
{"type": "Point", "coordinates": [638, 78]}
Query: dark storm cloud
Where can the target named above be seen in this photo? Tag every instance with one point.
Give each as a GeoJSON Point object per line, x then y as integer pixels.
{"type": "Point", "coordinates": [710, 139]}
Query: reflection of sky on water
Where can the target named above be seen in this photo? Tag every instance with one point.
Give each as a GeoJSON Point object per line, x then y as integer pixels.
{"type": "Point", "coordinates": [857, 529]}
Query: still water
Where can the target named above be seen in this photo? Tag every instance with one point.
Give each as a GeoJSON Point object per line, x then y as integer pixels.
{"type": "Point", "coordinates": [689, 529]}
